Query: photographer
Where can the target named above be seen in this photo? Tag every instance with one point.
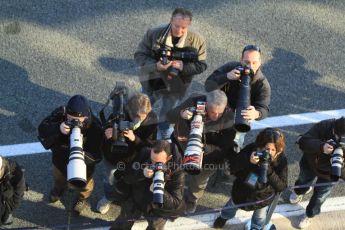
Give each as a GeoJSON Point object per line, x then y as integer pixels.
{"type": "Point", "coordinates": [143, 133]}
{"type": "Point", "coordinates": [12, 187]}
{"type": "Point", "coordinates": [227, 78]}
{"type": "Point", "coordinates": [54, 133]}
{"type": "Point", "coordinates": [216, 138]}
{"type": "Point", "coordinates": [249, 185]}
{"type": "Point", "coordinates": [140, 185]}
{"type": "Point", "coordinates": [318, 146]}
{"type": "Point", "coordinates": [169, 79]}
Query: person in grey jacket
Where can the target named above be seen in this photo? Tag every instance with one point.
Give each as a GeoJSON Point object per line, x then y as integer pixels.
{"type": "Point", "coordinates": [227, 78]}
{"type": "Point", "coordinates": [186, 54]}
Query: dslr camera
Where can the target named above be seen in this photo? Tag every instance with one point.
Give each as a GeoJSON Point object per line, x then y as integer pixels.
{"type": "Point", "coordinates": [264, 161]}
{"type": "Point", "coordinates": [158, 183]}
{"type": "Point", "coordinates": [76, 167]}
{"type": "Point", "coordinates": [193, 154]}
{"type": "Point", "coordinates": [337, 158]}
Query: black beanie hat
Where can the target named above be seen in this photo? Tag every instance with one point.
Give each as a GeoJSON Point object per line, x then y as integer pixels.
{"type": "Point", "coordinates": [339, 126]}
{"type": "Point", "coordinates": [78, 106]}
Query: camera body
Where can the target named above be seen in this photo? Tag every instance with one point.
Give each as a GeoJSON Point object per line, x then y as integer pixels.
{"type": "Point", "coordinates": [264, 161]}
{"type": "Point", "coordinates": [76, 167]}
{"type": "Point", "coordinates": [337, 158]}
{"type": "Point", "coordinates": [118, 139]}
{"type": "Point", "coordinates": [158, 183]}
{"type": "Point", "coordinates": [193, 154]}
{"type": "Point", "coordinates": [243, 101]}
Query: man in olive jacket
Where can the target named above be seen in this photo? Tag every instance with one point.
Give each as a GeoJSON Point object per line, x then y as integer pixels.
{"type": "Point", "coordinates": [186, 51]}
{"type": "Point", "coordinates": [318, 145]}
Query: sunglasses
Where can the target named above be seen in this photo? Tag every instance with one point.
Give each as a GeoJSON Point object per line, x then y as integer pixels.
{"type": "Point", "coordinates": [251, 47]}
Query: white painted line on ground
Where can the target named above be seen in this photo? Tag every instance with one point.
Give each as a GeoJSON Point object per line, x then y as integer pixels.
{"type": "Point", "coordinates": [206, 221]}
{"type": "Point", "coordinates": [278, 121]}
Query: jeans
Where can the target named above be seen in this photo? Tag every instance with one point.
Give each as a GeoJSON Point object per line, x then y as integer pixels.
{"type": "Point", "coordinates": [109, 182]}
{"type": "Point", "coordinates": [169, 101]}
{"type": "Point", "coordinates": [258, 217]}
{"type": "Point", "coordinates": [307, 176]}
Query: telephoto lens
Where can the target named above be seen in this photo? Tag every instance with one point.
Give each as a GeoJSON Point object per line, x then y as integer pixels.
{"type": "Point", "coordinates": [76, 167]}
{"type": "Point", "coordinates": [337, 160]}
{"type": "Point", "coordinates": [264, 157]}
{"type": "Point", "coordinates": [193, 155]}
{"type": "Point", "coordinates": [158, 185]}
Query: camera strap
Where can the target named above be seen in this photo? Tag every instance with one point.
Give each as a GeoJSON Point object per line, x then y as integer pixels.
{"type": "Point", "coordinates": [163, 37]}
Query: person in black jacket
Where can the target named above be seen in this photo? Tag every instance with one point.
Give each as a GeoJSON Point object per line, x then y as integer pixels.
{"type": "Point", "coordinates": [138, 111]}
{"type": "Point", "coordinates": [12, 187]}
{"type": "Point", "coordinates": [157, 81]}
{"type": "Point", "coordinates": [217, 137]}
{"type": "Point", "coordinates": [317, 145]}
{"type": "Point", "coordinates": [138, 183]}
{"type": "Point", "coordinates": [248, 186]}
{"type": "Point", "coordinates": [227, 78]}
{"type": "Point", "coordinates": [54, 134]}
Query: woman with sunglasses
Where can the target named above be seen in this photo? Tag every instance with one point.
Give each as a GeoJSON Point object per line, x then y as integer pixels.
{"type": "Point", "coordinates": [250, 186]}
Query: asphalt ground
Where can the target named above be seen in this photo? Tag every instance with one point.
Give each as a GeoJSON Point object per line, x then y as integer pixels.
{"type": "Point", "coordinates": [51, 50]}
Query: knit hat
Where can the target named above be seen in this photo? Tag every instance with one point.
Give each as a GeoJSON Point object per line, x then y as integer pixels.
{"type": "Point", "coordinates": [78, 106]}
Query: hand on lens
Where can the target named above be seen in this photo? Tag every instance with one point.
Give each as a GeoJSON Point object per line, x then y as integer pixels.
{"type": "Point", "coordinates": [250, 113]}
{"type": "Point", "coordinates": [108, 133]}
{"type": "Point", "coordinates": [161, 67]}
{"type": "Point", "coordinates": [254, 159]}
{"type": "Point", "coordinates": [186, 114]}
{"type": "Point", "coordinates": [327, 148]}
{"type": "Point", "coordinates": [234, 74]}
{"type": "Point", "coordinates": [177, 64]}
{"type": "Point", "coordinates": [64, 129]}
{"type": "Point", "coordinates": [129, 134]}
{"type": "Point", "coordinates": [148, 173]}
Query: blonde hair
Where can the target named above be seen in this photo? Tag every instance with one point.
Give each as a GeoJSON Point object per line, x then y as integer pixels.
{"type": "Point", "coordinates": [139, 103]}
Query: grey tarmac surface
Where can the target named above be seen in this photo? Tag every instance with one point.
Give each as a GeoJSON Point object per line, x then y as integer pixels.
{"type": "Point", "coordinates": [50, 50]}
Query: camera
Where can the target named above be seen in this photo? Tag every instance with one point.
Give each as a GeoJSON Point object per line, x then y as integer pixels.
{"type": "Point", "coordinates": [337, 158]}
{"type": "Point", "coordinates": [193, 154]}
{"type": "Point", "coordinates": [118, 138]}
{"type": "Point", "coordinates": [264, 160]}
{"type": "Point", "coordinates": [158, 183]}
{"type": "Point", "coordinates": [76, 167]}
{"type": "Point", "coordinates": [243, 101]}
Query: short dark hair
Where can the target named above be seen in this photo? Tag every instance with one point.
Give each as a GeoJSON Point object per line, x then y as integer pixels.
{"type": "Point", "coordinates": [162, 145]}
{"type": "Point", "coordinates": [183, 12]}
{"type": "Point", "coordinates": [252, 48]}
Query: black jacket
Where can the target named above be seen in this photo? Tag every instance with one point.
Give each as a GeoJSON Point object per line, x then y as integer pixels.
{"type": "Point", "coordinates": [12, 187]}
{"type": "Point", "coordinates": [277, 176]}
{"type": "Point", "coordinates": [217, 135]}
{"type": "Point", "coordinates": [145, 135]}
{"type": "Point", "coordinates": [260, 92]}
{"type": "Point", "coordinates": [139, 187]}
{"type": "Point", "coordinates": [52, 138]}
{"type": "Point", "coordinates": [311, 143]}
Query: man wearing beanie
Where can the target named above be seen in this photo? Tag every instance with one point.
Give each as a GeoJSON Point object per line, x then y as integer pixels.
{"type": "Point", "coordinates": [54, 133]}
{"type": "Point", "coordinates": [12, 187]}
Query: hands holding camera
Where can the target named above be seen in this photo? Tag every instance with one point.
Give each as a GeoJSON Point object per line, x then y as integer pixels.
{"type": "Point", "coordinates": [127, 133]}
{"type": "Point", "coordinates": [250, 113]}
{"type": "Point", "coordinates": [148, 173]}
{"type": "Point", "coordinates": [186, 114]}
{"type": "Point", "coordinates": [327, 148]}
{"type": "Point", "coordinates": [177, 64]}
{"type": "Point", "coordinates": [64, 129]}
{"type": "Point", "coordinates": [254, 158]}
{"type": "Point", "coordinates": [234, 74]}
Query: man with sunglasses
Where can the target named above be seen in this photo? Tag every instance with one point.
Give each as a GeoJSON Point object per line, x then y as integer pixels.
{"type": "Point", "coordinates": [227, 78]}
{"type": "Point", "coordinates": [165, 76]}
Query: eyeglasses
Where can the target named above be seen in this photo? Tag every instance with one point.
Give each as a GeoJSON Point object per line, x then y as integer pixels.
{"type": "Point", "coordinates": [251, 47]}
